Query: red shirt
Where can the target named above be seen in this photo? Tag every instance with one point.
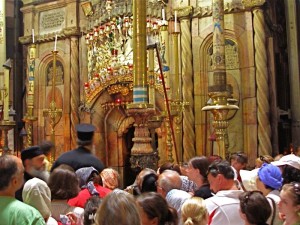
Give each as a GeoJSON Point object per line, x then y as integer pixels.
{"type": "Point", "coordinates": [84, 195]}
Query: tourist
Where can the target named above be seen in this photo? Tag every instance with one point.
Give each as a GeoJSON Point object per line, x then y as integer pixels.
{"type": "Point", "coordinates": [289, 205]}
{"type": "Point", "coordinates": [238, 161]}
{"type": "Point", "coordinates": [89, 183]}
{"type": "Point", "coordinates": [154, 210]}
{"type": "Point", "coordinates": [198, 174]}
{"type": "Point", "coordinates": [13, 211]}
{"type": "Point", "coordinates": [110, 178]}
{"type": "Point", "coordinates": [223, 207]}
{"type": "Point", "coordinates": [37, 194]}
{"type": "Point", "coordinates": [90, 209]}
{"type": "Point", "coordinates": [169, 186]}
{"type": "Point", "coordinates": [64, 185]}
{"type": "Point", "coordinates": [254, 208]}
{"type": "Point", "coordinates": [118, 207]}
{"type": "Point", "coordinates": [194, 212]}
{"type": "Point", "coordinates": [186, 184]}
{"type": "Point", "coordinates": [269, 182]}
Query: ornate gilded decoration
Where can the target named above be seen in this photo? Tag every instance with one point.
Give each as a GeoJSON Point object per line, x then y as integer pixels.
{"type": "Point", "coordinates": [29, 117]}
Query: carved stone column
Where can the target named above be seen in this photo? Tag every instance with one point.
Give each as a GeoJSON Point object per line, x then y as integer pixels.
{"type": "Point", "coordinates": [263, 105]}
{"type": "Point", "coordinates": [75, 88]}
{"type": "Point", "coordinates": [187, 82]}
{"type": "Point", "coordinates": [293, 51]}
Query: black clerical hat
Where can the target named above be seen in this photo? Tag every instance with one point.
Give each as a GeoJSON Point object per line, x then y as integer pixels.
{"type": "Point", "coordinates": [85, 131]}
{"type": "Point", "coordinates": [31, 152]}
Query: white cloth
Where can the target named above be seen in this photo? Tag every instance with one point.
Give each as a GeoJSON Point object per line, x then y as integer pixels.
{"type": "Point", "coordinates": [223, 208]}
{"type": "Point", "coordinates": [249, 179]}
{"type": "Point", "coordinates": [51, 221]}
{"type": "Point", "coordinates": [37, 194]}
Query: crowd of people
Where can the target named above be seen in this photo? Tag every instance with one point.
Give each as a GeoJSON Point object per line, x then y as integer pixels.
{"type": "Point", "coordinates": [78, 190]}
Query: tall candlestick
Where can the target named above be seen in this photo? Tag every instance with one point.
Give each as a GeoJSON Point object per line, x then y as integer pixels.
{"type": "Point", "coordinates": [32, 36]}
{"type": "Point", "coordinates": [55, 42]}
{"type": "Point", "coordinates": [175, 22]}
{"type": "Point", "coordinates": [6, 95]}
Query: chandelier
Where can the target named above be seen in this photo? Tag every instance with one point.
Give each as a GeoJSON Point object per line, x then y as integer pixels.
{"type": "Point", "coordinates": [109, 44]}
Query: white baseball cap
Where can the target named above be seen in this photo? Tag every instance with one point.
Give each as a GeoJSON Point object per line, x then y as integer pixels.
{"type": "Point", "coordinates": [291, 160]}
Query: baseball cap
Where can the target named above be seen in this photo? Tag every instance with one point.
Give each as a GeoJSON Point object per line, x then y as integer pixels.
{"type": "Point", "coordinates": [291, 160]}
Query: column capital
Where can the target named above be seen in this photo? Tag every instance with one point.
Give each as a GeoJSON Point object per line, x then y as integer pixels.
{"type": "Point", "coordinates": [184, 12]}
{"type": "Point", "coordinates": [253, 3]}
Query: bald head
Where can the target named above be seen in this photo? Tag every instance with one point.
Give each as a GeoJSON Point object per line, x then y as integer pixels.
{"type": "Point", "coordinates": [11, 173]}
{"type": "Point", "coordinates": [167, 181]}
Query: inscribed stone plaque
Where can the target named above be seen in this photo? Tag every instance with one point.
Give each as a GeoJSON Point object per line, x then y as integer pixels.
{"type": "Point", "coordinates": [52, 21]}
{"type": "Point", "coordinates": [231, 55]}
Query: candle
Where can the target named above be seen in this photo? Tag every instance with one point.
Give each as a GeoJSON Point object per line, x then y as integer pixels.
{"type": "Point", "coordinates": [32, 36]}
{"type": "Point", "coordinates": [163, 14]}
{"type": "Point", "coordinates": [6, 95]}
{"type": "Point", "coordinates": [175, 23]}
{"type": "Point", "coordinates": [55, 42]}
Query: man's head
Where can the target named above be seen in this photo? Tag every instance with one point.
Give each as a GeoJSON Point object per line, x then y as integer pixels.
{"type": "Point", "coordinates": [220, 176]}
{"type": "Point", "coordinates": [11, 175]}
{"type": "Point", "coordinates": [239, 160]}
{"type": "Point", "coordinates": [85, 134]}
{"type": "Point", "coordinates": [167, 181]}
{"type": "Point", "coordinates": [46, 147]}
{"type": "Point", "coordinates": [33, 161]}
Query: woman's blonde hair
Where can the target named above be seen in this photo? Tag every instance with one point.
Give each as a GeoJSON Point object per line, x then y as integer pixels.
{"type": "Point", "coordinates": [194, 212]}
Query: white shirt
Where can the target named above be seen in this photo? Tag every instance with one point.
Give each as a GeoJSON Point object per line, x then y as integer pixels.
{"type": "Point", "coordinates": [223, 208]}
